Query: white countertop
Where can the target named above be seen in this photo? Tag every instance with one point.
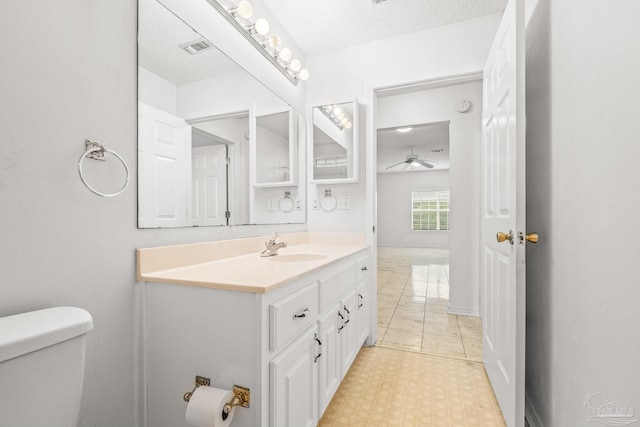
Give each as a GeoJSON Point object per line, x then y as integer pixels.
{"type": "Point", "coordinates": [250, 272]}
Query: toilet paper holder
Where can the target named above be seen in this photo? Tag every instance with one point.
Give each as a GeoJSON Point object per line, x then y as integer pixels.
{"type": "Point", "coordinates": [241, 395]}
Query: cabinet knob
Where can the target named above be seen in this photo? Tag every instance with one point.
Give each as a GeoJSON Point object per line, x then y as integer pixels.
{"type": "Point", "coordinates": [364, 268]}
{"type": "Point", "coordinates": [360, 301]}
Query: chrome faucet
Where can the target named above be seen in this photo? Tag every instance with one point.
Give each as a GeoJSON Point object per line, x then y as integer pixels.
{"type": "Point", "coordinates": [273, 246]}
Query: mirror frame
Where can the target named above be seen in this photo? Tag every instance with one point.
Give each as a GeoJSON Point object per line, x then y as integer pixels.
{"type": "Point", "coordinates": [355, 149]}
{"type": "Point", "coordinates": [293, 154]}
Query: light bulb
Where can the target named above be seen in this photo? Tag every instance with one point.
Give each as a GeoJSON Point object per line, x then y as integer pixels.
{"type": "Point", "coordinates": [261, 26]}
{"type": "Point", "coordinates": [285, 54]}
{"type": "Point", "coordinates": [348, 124]}
{"type": "Point", "coordinates": [344, 120]}
{"type": "Point", "coordinates": [337, 110]}
{"type": "Point", "coordinates": [244, 9]}
{"type": "Point", "coordinates": [274, 42]}
{"type": "Point", "coordinates": [340, 115]}
{"type": "Point", "coordinates": [303, 74]}
{"type": "Point", "coordinates": [295, 65]}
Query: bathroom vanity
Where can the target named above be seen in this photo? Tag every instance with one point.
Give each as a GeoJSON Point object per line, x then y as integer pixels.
{"type": "Point", "coordinates": [287, 327]}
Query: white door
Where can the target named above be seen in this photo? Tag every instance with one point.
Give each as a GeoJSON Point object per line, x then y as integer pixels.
{"type": "Point", "coordinates": [503, 210]}
{"type": "Point", "coordinates": [164, 143]}
{"type": "Point", "coordinates": [209, 192]}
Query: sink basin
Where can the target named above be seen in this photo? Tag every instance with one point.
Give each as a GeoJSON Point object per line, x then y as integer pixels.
{"type": "Point", "coordinates": [297, 257]}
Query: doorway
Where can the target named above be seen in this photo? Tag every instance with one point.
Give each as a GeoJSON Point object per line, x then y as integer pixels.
{"type": "Point", "coordinates": [427, 139]}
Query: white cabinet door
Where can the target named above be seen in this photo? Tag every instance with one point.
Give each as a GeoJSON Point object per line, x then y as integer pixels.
{"type": "Point", "coordinates": [329, 370]}
{"type": "Point", "coordinates": [347, 332]}
{"type": "Point", "coordinates": [364, 313]}
{"type": "Point", "coordinates": [294, 383]}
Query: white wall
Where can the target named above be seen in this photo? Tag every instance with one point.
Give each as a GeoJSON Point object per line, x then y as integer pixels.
{"type": "Point", "coordinates": [61, 244]}
{"type": "Point", "coordinates": [226, 94]}
{"type": "Point", "coordinates": [394, 209]}
{"type": "Point", "coordinates": [157, 92]}
{"type": "Point", "coordinates": [583, 321]}
{"type": "Point", "coordinates": [465, 135]}
{"type": "Point", "coordinates": [342, 75]}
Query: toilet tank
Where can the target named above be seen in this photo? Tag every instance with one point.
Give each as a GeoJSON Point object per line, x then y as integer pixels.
{"type": "Point", "coordinates": [42, 367]}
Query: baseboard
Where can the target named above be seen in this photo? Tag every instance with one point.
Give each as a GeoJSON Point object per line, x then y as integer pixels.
{"type": "Point", "coordinates": [463, 311]}
{"type": "Point", "coordinates": [530, 413]}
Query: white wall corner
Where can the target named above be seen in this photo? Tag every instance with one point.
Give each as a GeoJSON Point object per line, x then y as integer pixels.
{"type": "Point", "coordinates": [530, 414]}
{"type": "Point", "coordinates": [463, 311]}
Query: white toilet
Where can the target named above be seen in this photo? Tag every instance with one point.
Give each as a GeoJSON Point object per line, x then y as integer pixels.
{"type": "Point", "coordinates": [42, 367]}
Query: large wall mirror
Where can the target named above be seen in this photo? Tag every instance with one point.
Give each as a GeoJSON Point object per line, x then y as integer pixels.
{"type": "Point", "coordinates": [335, 143]}
{"type": "Point", "coordinates": [215, 146]}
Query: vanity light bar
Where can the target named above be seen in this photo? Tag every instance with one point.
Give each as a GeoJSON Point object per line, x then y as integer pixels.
{"type": "Point", "coordinates": [341, 122]}
{"type": "Point", "coordinates": [291, 69]}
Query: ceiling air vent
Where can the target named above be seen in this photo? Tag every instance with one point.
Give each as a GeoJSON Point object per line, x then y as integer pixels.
{"type": "Point", "coordinates": [197, 46]}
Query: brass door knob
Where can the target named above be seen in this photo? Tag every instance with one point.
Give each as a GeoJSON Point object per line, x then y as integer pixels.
{"type": "Point", "coordinates": [532, 237]}
{"type": "Point", "coordinates": [501, 237]}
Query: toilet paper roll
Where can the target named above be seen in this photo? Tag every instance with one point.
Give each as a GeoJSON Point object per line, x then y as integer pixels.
{"type": "Point", "coordinates": [205, 407]}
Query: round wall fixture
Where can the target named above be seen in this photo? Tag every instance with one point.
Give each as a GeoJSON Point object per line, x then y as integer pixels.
{"type": "Point", "coordinates": [463, 106]}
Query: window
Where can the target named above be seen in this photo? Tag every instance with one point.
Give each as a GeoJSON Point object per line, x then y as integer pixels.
{"type": "Point", "coordinates": [430, 210]}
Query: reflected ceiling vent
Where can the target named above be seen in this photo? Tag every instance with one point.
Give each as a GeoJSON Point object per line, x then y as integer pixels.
{"type": "Point", "coordinates": [197, 46]}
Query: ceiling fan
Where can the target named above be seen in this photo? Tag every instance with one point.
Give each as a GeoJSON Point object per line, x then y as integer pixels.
{"type": "Point", "coordinates": [414, 160]}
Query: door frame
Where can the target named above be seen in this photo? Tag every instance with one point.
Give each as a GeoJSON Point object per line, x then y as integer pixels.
{"type": "Point", "coordinates": [435, 78]}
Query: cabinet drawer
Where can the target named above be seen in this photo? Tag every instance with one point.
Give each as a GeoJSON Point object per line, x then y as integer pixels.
{"type": "Point", "coordinates": [291, 315]}
{"type": "Point", "coordinates": [363, 268]}
{"type": "Point", "coordinates": [334, 286]}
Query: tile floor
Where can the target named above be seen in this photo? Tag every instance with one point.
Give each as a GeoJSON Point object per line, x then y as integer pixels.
{"type": "Point", "coordinates": [413, 293]}
{"type": "Point", "coordinates": [424, 369]}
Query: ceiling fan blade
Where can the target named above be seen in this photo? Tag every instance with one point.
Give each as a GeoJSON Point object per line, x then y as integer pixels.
{"type": "Point", "coordinates": [423, 163]}
{"type": "Point", "coordinates": [392, 166]}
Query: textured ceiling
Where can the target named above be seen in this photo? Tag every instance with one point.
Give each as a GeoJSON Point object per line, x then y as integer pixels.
{"type": "Point", "coordinates": [321, 25]}
{"type": "Point", "coordinates": [160, 34]}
